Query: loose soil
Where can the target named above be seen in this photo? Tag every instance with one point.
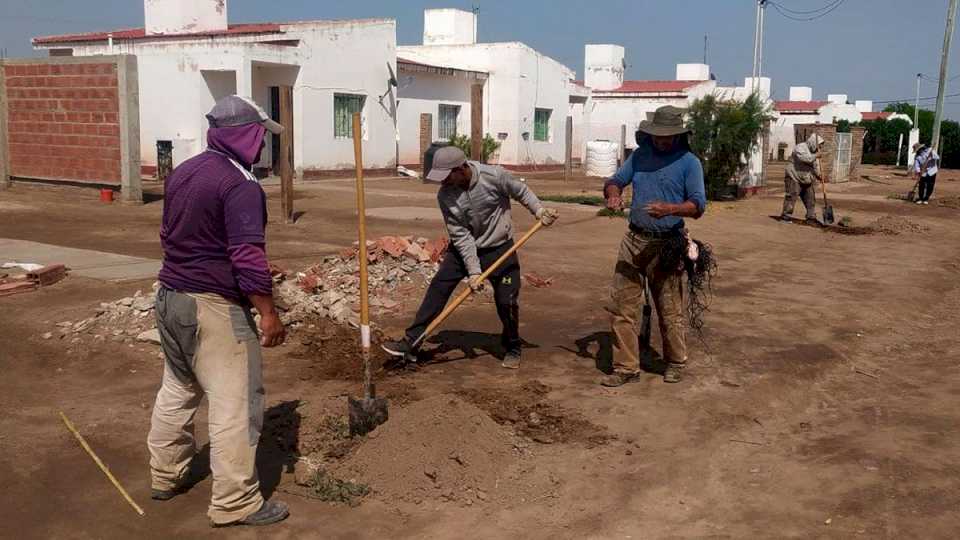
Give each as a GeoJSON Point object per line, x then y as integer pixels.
{"type": "Point", "coordinates": [825, 407]}
{"type": "Point", "coordinates": [438, 449]}
{"type": "Point", "coordinates": [528, 411]}
{"type": "Point", "coordinates": [894, 225]}
{"type": "Point", "coordinates": [327, 350]}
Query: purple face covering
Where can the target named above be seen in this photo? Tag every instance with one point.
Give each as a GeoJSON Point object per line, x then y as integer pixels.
{"type": "Point", "coordinates": [242, 143]}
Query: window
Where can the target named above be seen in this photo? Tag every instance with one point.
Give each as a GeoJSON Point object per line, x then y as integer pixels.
{"type": "Point", "coordinates": [448, 121]}
{"type": "Point", "coordinates": [344, 105]}
{"type": "Point", "coordinates": [541, 125]}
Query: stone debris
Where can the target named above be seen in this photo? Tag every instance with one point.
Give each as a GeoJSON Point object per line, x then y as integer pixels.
{"type": "Point", "coordinates": [399, 267]}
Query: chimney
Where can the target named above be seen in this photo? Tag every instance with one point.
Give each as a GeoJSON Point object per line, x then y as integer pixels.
{"type": "Point", "coordinates": [864, 105]}
{"type": "Point", "coordinates": [603, 66]}
{"type": "Point", "coordinates": [171, 17]}
{"type": "Point", "coordinates": [837, 99]}
{"type": "Point", "coordinates": [449, 27]}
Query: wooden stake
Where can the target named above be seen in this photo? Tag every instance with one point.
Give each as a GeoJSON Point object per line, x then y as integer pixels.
{"type": "Point", "coordinates": [286, 153]}
{"type": "Point", "coordinates": [362, 254]}
{"type": "Point", "coordinates": [99, 463]}
{"type": "Point", "coordinates": [476, 122]}
{"type": "Point", "coordinates": [568, 158]}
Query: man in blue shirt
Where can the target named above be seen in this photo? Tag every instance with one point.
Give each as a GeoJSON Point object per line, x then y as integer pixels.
{"type": "Point", "coordinates": [667, 184]}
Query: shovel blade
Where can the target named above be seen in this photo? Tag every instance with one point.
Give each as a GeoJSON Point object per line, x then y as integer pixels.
{"type": "Point", "coordinates": [828, 215]}
{"type": "Point", "coordinates": [366, 414]}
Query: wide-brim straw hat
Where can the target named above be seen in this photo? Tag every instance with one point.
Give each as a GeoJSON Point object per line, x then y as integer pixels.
{"type": "Point", "coordinates": [918, 146]}
{"type": "Point", "coordinates": [665, 122]}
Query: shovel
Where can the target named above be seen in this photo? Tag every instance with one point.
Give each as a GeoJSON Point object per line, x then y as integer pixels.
{"type": "Point", "coordinates": [827, 209]}
{"type": "Point", "coordinates": [367, 413]}
{"type": "Point", "coordinates": [466, 293]}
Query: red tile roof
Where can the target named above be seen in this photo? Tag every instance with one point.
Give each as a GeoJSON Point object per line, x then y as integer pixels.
{"type": "Point", "coordinates": [651, 87]}
{"type": "Point", "coordinates": [875, 115]}
{"type": "Point", "coordinates": [799, 106]}
{"type": "Point", "coordinates": [140, 33]}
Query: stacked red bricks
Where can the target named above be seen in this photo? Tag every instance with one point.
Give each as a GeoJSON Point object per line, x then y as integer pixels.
{"type": "Point", "coordinates": [63, 121]}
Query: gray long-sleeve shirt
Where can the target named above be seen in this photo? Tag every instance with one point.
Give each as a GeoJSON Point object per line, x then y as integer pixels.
{"type": "Point", "coordinates": [479, 217]}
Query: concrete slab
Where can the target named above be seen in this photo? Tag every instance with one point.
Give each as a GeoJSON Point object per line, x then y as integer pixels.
{"type": "Point", "coordinates": [82, 262]}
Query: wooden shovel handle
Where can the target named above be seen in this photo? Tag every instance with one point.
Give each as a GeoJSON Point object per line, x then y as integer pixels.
{"type": "Point", "coordinates": [483, 277]}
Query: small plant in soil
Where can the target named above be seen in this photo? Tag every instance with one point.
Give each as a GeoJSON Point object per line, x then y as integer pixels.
{"type": "Point", "coordinates": [846, 221]}
{"type": "Point", "coordinates": [329, 489]}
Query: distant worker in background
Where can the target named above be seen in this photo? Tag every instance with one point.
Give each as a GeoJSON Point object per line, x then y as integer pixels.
{"type": "Point", "coordinates": [925, 171]}
{"type": "Point", "coordinates": [801, 177]}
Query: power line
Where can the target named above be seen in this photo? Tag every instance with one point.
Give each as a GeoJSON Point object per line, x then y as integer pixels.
{"type": "Point", "coordinates": [786, 12]}
{"type": "Point", "coordinates": [797, 12]}
{"type": "Point", "coordinates": [908, 100]}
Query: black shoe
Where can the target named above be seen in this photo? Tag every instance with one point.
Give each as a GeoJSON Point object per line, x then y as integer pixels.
{"type": "Point", "coordinates": [399, 348]}
{"type": "Point", "coordinates": [673, 373]}
{"type": "Point", "coordinates": [164, 494]}
{"type": "Point", "coordinates": [813, 222]}
{"type": "Point", "coordinates": [618, 379]}
{"type": "Point", "coordinates": [511, 360]}
{"type": "Point", "coordinates": [786, 219]}
{"type": "Point", "coordinates": [271, 512]}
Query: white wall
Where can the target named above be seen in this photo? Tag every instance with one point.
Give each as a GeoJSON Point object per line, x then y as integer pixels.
{"type": "Point", "coordinates": [838, 99]}
{"type": "Point", "coordinates": [175, 96]}
{"type": "Point", "coordinates": [864, 105]}
{"type": "Point", "coordinates": [833, 112]}
{"type": "Point", "coordinates": [424, 93]}
{"type": "Point", "coordinates": [520, 80]}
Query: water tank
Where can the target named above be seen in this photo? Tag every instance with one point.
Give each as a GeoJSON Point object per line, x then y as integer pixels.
{"type": "Point", "coordinates": [601, 158]}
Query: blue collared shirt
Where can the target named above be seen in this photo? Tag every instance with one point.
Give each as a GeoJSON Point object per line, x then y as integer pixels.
{"type": "Point", "coordinates": [676, 183]}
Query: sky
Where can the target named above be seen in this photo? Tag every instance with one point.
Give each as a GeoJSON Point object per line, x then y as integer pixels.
{"type": "Point", "coordinates": [867, 49]}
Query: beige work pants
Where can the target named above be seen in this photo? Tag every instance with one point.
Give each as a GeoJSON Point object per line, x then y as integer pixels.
{"type": "Point", "coordinates": [639, 261]}
{"type": "Point", "coordinates": [211, 349]}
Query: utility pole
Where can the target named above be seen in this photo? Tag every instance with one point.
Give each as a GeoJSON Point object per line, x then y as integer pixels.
{"type": "Point", "coordinates": [947, 38]}
{"type": "Point", "coordinates": [916, 107]}
{"type": "Point", "coordinates": [758, 45]}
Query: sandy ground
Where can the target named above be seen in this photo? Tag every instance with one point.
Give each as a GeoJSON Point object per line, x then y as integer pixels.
{"type": "Point", "coordinates": [824, 405]}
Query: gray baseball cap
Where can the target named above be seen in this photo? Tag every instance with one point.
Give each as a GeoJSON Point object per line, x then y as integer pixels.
{"type": "Point", "coordinates": [445, 160]}
{"type": "Point", "coordinates": [238, 111]}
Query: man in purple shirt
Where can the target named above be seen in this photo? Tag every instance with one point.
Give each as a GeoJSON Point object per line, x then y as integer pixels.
{"type": "Point", "coordinates": [214, 270]}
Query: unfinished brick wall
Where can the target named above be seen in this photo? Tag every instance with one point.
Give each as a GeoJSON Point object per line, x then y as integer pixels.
{"type": "Point", "coordinates": [856, 149]}
{"type": "Point", "coordinates": [71, 119]}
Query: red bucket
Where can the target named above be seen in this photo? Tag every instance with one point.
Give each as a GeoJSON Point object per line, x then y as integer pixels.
{"type": "Point", "coordinates": [106, 195]}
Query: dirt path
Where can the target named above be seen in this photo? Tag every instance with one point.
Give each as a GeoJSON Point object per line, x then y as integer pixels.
{"type": "Point", "coordinates": [825, 407]}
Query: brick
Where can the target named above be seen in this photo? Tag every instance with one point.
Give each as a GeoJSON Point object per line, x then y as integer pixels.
{"type": "Point", "coordinates": [43, 69]}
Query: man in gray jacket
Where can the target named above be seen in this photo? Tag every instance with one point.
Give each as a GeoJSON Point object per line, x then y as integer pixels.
{"type": "Point", "coordinates": [801, 177]}
{"type": "Point", "coordinates": [475, 202]}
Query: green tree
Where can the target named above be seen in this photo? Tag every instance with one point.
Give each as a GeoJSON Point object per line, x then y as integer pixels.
{"type": "Point", "coordinates": [949, 132]}
{"type": "Point", "coordinates": [725, 134]}
{"type": "Point", "coordinates": [490, 145]}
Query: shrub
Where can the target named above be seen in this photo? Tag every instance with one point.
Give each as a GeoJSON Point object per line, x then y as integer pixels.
{"type": "Point", "coordinates": [490, 145]}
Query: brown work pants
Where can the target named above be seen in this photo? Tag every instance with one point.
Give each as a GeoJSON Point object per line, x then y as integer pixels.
{"type": "Point", "coordinates": [211, 349]}
{"type": "Point", "coordinates": [639, 262]}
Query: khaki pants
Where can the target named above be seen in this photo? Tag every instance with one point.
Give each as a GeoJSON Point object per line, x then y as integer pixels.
{"type": "Point", "coordinates": [807, 193]}
{"type": "Point", "coordinates": [212, 349]}
{"type": "Point", "coordinates": [638, 262]}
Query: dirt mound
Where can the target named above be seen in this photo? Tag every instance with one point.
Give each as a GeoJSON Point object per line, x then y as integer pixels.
{"type": "Point", "coordinates": [332, 351]}
{"type": "Point", "coordinates": [949, 202]}
{"type": "Point", "coordinates": [894, 225]}
{"type": "Point", "coordinates": [441, 448]}
{"type": "Point", "coordinates": [527, 409]}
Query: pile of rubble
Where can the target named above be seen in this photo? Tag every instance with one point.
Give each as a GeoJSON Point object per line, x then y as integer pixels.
{"type": "Point", "coordinates": [397, 265]}
{"type": "Point", "coordinates": [123, 321]}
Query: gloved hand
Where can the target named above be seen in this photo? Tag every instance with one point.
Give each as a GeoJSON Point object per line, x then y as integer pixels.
{"type": "Point", "coordinates": [476, 284]}
{"type": "Point", "coordinates": [548, 216]}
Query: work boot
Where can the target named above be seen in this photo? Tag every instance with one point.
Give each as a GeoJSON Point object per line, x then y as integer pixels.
{"type": "Point", "coordinates": [618, 379]}
{"type": "Point", "coordinates": [511, 360]}
{"type": "Point", "coordinates": [812, 221]}
{"type": "Point", "coordinates": [673, 373]}
{"type": "Point", "coordinates": [786, 219]}
{"type": "Point", "coordinates": [271, 512]}
{"type": "Point", "coordinates": [164, 494]}
{"type": "Point", "coordinates": [400, 348]}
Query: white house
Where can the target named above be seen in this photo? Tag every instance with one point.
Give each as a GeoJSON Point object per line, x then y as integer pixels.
{"type": "Point", "coordinates": [526, 95]}
{"type": "Point", "coordinates": [443, 93]}
{"type": "Point", "coordinates": [188, 56]}
{"type": "Point", "coordinates": [615, 102]}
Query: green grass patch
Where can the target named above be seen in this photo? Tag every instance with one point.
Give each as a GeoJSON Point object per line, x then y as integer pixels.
{"type": "Point", "coordinates": [606, 212]}
{"type": "Point", "coordinates": [589, 200]}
